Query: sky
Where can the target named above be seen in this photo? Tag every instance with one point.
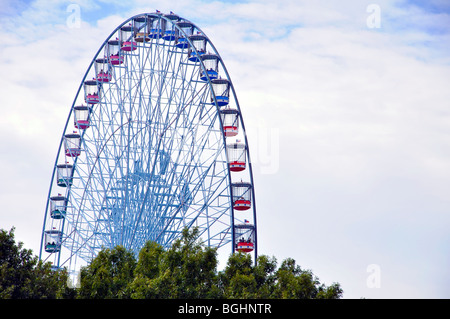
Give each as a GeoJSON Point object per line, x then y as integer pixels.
{"type": "Point", "coordinates": [346, 106]}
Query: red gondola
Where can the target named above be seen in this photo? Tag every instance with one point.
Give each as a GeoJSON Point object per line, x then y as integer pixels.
{"type": "Point", "coordinates": [244, 235]}
{"type": "Point", "coordinates": [245, 247]}
{"type": "Point", "coordinates": [242, 195]}
{"type": "Point", "coordinates": [236, 157]}
{"type": "Point", "coordinates": [230, 122]}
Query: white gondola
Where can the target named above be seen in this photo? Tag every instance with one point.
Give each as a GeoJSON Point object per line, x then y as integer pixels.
{"type": "Point", "coordinates": [244, 237]}
{"type": "Point", "coordinates": [64, 175]}
{"type": "Point", "coordinates": [169, 33]}
{"type": "Point", "coordinates": [103, 70]}
{"type": "Point", "coordinates": [92, 91]}
{"type": "Point", "coordinates": [211, 63]}
{"type": "Point", "coordinates": [242, 195]}
{"type": "Point", "coordinates": [157, 27]}
{"type": "Point", "coordinates": [187, 30]}
{"type": "Point", "coordinates": [82, 117]}
{"type": "Point", "coordinates": [52, 240]}
{"type": "Point", "coordinates": [72, 145]}
{"type": "Point", "coordinates": [113, 52]}
{"type": "Point", "coordinates": [126, 38]}
{"type": "Point", "coordinates": [230, 122]}
{"type": "Point", "coordinates": [141, 29]}
{"type": "Point", "coordinates": [221, 88]}
{"type": "Point", "coordinates": [198, 49]}
{"type": "Point", "coordinates": [58, 207]}
{"type": "Point", "coordinates": [236, 154]}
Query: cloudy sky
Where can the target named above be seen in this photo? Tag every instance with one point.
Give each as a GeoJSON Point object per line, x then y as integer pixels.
{"type": "Point", "coordinates": [347, 110]}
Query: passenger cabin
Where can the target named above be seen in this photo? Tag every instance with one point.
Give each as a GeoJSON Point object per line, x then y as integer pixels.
{"type": "Point", "coordinates": [103, 70]}
{"type": "Point", "coordinates": [157, 27]}
{"type": "Point", "coordinates": [58, 207]}
{"type": "Point", "coordinates": [72, 145]}
{"type": "Point", "coordinates": [221, 89]}
{"type": "Point", "coordinates": [236, 154]}
{"type": "Point", "coordinates": [211, 64]}
{"type": "Point", "coordinates": [113, 53]}
{"type": "Point", "coordinates": [52, 240]}
{"type": "Point", "coordinates": [244, 237]}
{"type": "Point", "coordinates": [169, 33]}
{"type": "Point", "coordinates": [141, 29]}
{"type": "Point", "coordinates": [242, 195]}
{"type": "Point", "coordinates": [245, 246]}
{"type": "Point", "coordinates": [198, 47]}
{"type": "Point", "coordinates": [64, 175]}
{"type": "Point", "coordinates": [230, 122]}
{"type": "Point", "coordinates": [91, 92]}
{"type": "Point", "coordinates": [185, 30]}
{"type": "Point", "coordinates": [126, 37]}
{"type": "Point", "coordinates": [82, 116]}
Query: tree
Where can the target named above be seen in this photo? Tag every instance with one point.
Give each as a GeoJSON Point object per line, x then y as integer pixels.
{"type": "Point", "coordinates": [295, 283]}
{"type": "Point", "coordinates": [149, 282]}
{"type": "Point", "coordinates": [22, 275]}
{"type": "Point", "coordinates": [192, 267]}
{"type": "Point", "coordinates": [188, 269]}
{"type": "Point", "coordinates": [237, 280]}
{"type": "Point", "coordinates": [242, 279]}
{"type": "Point", "coordinates": [108, 275]}
{"type": "Point", "coordinates": [265, 277]}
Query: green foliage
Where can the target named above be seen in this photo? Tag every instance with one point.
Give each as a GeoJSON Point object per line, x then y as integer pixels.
{"type": "Point", "coordinates": [242, 280]}
{"type": "Point", "coordinates": [108, 275]}
{"type": "Point", "coordinates": [23, 276]}
{"type": "Point", "coordinates": [187, 270]}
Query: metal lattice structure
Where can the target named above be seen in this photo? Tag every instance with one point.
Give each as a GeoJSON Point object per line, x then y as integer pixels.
{"type": "Point", "coordinates": [154, 142]}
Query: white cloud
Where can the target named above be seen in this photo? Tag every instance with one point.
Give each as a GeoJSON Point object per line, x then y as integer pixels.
{"type": "Point", "coordinates": [361, 115]}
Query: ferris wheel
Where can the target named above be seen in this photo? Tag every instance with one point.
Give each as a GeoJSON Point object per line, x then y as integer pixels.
{"type": "Point", "coordinates": [154, 143]}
